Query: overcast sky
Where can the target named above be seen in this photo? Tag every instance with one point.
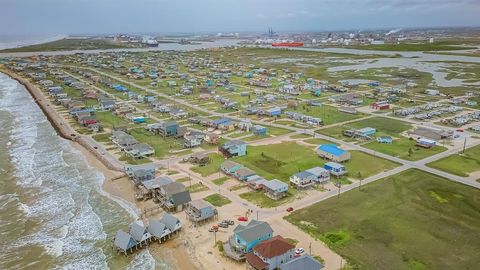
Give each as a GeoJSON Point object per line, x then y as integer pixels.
{"type": "Point", "coordinates": [169, 16]}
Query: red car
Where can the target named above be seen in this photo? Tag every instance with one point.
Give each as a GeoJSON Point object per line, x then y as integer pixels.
{"type": "Point", "coordinates": [242, 219]}
{"type": "Point", "coordinates": [289, 209]}
{"type": "Point", "coordinates": [460, 130]}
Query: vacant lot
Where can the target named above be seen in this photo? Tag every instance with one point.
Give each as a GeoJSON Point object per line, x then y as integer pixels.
{"type": "Point", "coordinates": [404, 148]}
{"type": "Point", "coordinates": [279, 161]}
{"type": "Point", "coordinates": [412, 220]}
{"type": "Point", "coordinates": [217, 200]}
{"type": "Point", "coordinates": [328, 114]}
{"type": "Point", "coordinates": [460, 164]}
{"type": "Point", "coordinates": [210, 168]}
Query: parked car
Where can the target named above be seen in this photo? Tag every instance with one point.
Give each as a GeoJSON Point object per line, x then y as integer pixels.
{"type": "Point", "coordinates": [223, 225]}
{"type": "Point", "coordinates": [242, 219]}
{"type": "Point", "coordinates": [214, 228]}
{"type": "Point", "coordinates": [289, 209]}
{"type": "Point", "coordinates": [299, 251]}
{"type": "Point", "coordinates": [229, 222]}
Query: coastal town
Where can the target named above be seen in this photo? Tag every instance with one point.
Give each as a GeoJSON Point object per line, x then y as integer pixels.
{"type": "Point", "coordinates": [246, 155]}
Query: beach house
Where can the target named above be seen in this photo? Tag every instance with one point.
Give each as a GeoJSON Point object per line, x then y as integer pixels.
{"type": "Point", "coordinates": [270, 254]}
{"type": "Point", "coordinates": [233, 148]}
{"type": "Point", "coordinates": [245, 238]}
{"type": "Point", "coordinates": [230, 167]}
{"type": "Point", "coordinates": [199, 211]}
{"type": "Point", "coordinates": [305, 262]}
{"type": "Point", "coordinates": [173, 196]}
{"type": "Point", "coordinates": [123, 242]}
{"type": "Point", "coordinates": [335, 169]}
{"type": "Point", "coordinates": [333, 153]}
{"type": "Point", "coordinates": [275, 189]}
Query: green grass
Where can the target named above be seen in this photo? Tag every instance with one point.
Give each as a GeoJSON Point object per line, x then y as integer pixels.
{"type": "Point", "coordinates": [279, 161]}
{"type": "Point", "coordinates": [317, 141]}
{"type": "Point", "coordinates": [102, 137]}
{"type": "Point", "coordinates": [212, 167]}
{"type": "Point", "coordinates": [277, 131]}
{"type": "Point", "coordinates": [412, 220]}
{"type": "Point", "coordinates": [400, 148]}
{"type": "Point", "coordinates": [384, 126]}
{"type": "Point", "coordinates": [129, 160]}
{"type": "Point", "coordinates": [220, 181]}
{"type": "Point", "coordinates": [328, 114]}
{"type": "Point", "coordinates": [198, 187]}
{"type": "Point", "coordinates": [162, 145]}
{"type": "Point", "coordinates": [262, 201]}
{"type": "Point", "coordinates": [108, 120]}
{"type": "Point", "coordinates": [461, 164]}
{"type": "Point", "coordinates": [183, 179]}
{"type": "Point", "coordinates": [70, 44]}
{"type": "Point", "coordinates": [217, 200]}
{"type": "Point", "coordinates": [363, 165]}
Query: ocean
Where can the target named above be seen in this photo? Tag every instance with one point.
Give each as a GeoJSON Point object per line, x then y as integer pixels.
{"type": "Point", "coordinates": [53, 211]}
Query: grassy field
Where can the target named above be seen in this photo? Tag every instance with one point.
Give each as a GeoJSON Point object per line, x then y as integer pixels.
{"type": "Point", "coordinates": [357, 168]}
{"type": "Point", "coordinates": [220, 181]}
{"type": "Point", "coordinates": [198, 187]}
{"type": "Point", "coordinates": [70, 44]}
{"type": "Point", "coordinates": [459, 164]}
{"type": "Point", "coordinates": [328, 114]}
{"type": "Point", "coordinates": [404, 148]}
{"type": "Point", "coordinates": [279, 161]}
{"type": "Point", "coordinates": [210, 168]}
{"type": "Point", "coordinates": [217, 200]}
{"type": "Point", "coordinates": [384, 126]}
{"type": "Point", "coordinates": [412, 220]}
{"type": "Point", "coordinates": [161, 145]}
{"type": "Point", "coordinates": [259, 199]}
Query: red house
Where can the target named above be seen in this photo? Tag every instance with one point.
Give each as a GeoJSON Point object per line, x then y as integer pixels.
{"type": "Point", "coordinates": [381, 105]}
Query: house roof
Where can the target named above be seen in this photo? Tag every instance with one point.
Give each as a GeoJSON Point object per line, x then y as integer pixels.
{"type": "Point", "coordinates": [232, 143]}
{"type": "Point", "coordinates": [243, 172]}
{"type": "Point", "coordinates": [200, 204]}
{"type": "Point", "coordinates": [137, 230]}
{"type": "Point", "coordinates": [273, 247]}
{"type": "Point", "coordinates": [170, 221]}
{"type": "Point", "coordinates": [334, 165]}
{"type": "Point", "coordinates": [181, 198]}
{"type": "Point", "coordinates": [317, 171]}
{"type": "Point", "coordinates": [253, 230]}
{"type": "Point", "coordinates": [255, 261]}
{"type": "Point", "coordinates": [156, 228]}
{"type": "Point", "coordinates": [304, 175]}
{"type": "Point", "coordinates": [305, 262]}
{"type": "Point", "coordinates": [228, 164]}
{"type": "Point", "coordinates": [275, 184]}
{"type": "Point", "coordinates": [123, 240]}
{"type": "Point", "coordinates": [332, 149]}
{"type": "Point", "coordinates": [173, 188]}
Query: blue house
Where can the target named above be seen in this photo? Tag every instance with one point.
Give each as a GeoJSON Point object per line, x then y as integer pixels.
{"type": "Point", "coordinates": [209, 83]}
{"type": "Point", "coordinates": [245, 237]}
{"type": "Point", "coordinates": [333, 152]}
{"type": "Point", "coordinates": [316, 92]}
{"type": "Point", "coordinates": [233, 148]}
{"type": "Point", "coordinates": [275, 111]}
{"type": "Point", "coordinates": [259, 130]}
{"type": "Point", "coordinates": [335, 168]}
{"type": "Point", "coordinates": [230, 167]}
{"type": "Point", "coordinates": [138, 119]}
{"type": "Point", "coordinates": [385, 139]}
{"type": "Point", "coordinates": [119, 88]}
{"type": "Point", "coordinates": [365, 132]}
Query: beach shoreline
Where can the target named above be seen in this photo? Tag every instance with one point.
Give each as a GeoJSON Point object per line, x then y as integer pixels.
{"type": "Point", "coordinates": [115, 183]}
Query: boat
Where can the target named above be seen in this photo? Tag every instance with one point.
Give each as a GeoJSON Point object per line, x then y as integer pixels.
{"type": "Point", "coordinates": [287, 44]}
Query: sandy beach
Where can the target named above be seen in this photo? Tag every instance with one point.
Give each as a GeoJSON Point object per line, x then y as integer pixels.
{"type": "Point", "coordinates": [176, 251]}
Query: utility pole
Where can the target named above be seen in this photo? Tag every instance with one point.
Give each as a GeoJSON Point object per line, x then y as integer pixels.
{"type": "Point", "coordinates": [310, 249]}
{"type": "Point", "coordinates": [339, 186]}
{"type": "Point", "coordinates": [257, 214]}
{"type": "Point", "coordinates": [464, 145]}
